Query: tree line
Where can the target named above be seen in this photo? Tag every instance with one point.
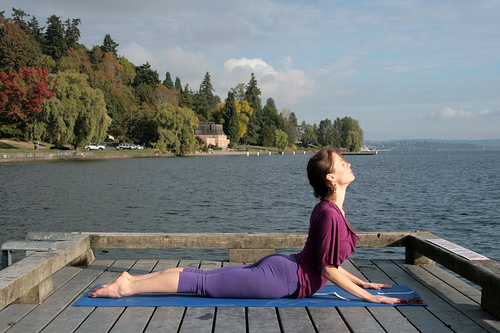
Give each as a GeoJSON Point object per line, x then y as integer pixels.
{"type": "Point", "coordinates": [55, 89]}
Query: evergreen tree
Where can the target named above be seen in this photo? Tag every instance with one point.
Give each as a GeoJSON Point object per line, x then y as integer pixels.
{"type": "Point", "coordinates": [206, 89]}
{"type": "Point", "coordinates": [145, 75]}
{"type": "Point", "coordinates": [55, 40]}
{"type": "Point", "coordinates": [178, 85]}
{"type": "Point", "coordinates": [72, 33]}
{"type": "Point", "coordinates": [168, 82]}
{"type": "Point", "coordinates": [231, 119]}
{"type": "Point", "coordinates": [109, 45]}
{"type": "Point", "coordinates": [255, 126]}
{"type": "Point", "coordinates": [326, 136]}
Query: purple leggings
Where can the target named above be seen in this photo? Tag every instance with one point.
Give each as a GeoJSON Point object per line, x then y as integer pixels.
{"type": "Point", "coordinates": [274, 276]}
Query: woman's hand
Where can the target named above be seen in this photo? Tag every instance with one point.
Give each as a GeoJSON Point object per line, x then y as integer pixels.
{"type": "Point", "coordinates": [376, 286]}
{"type": "Point", "coordinates": [383, 299]}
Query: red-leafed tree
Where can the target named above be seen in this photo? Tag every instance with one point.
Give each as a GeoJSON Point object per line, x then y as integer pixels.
{"type": "Point", "coordinates": [21, 97]}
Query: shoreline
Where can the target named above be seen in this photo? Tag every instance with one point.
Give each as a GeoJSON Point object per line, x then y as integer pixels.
{"type": "Point", "coordinates": [88, 155]}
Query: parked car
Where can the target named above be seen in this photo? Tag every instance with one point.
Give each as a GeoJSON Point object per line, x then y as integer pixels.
{"type": "Point", "coordinates": [95, 146]}
{"type": "Point", "coordinates": [122, 146]}
{"type": "Point", "coordinates": [61, 147]}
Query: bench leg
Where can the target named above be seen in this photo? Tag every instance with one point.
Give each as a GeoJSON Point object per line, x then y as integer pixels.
{"type": "Point", "coordinates": [6, 258]}
{"type": "Point", "coordinates": [37, 294]}
{"type": "Point", "coordinates": [84, 260]}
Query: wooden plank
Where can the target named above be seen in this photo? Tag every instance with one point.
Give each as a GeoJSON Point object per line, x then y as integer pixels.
{"type": "Point", "coordinates": [12, 314]}
{"type": "Point", "coordinates": [166, 319]}
{"type": "Point", "coordinates": [466, 289]}
{"type": "Point", "coordinates": [43, 314]}
{"type": "Point", "coordinates": [135, 319]}
{"type": "Point", "coordinates": [72, 317]}
{"type": "Point", "coordinates": [450, 317]}
{"type": "Point", "coordinates": [455, 298]}
{"type": "Point", "coordinates": [327, 320]}
{"type": "Point", "coordinates": [103, 318]}
{"type": "Point", "coordinates": [263, 320]}
{"type": "Point", "coordinates": [295, 320]}
{"type": "Point", "coordinates": [420, 317]}
{"type": "Point", "coordinates": [360, 320]}
{"type": "Point", "coordinates": [198, 320]}
{"type": "Point", "coordinates": [230, 320]}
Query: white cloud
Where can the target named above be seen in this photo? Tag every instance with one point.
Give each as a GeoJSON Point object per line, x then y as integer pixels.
{"type": "Point", "coordinates": [189, 66]}
{"type": "Point", "coordinates": [449, 114]}
{"type": "Point", "coordinates": [285, 86]}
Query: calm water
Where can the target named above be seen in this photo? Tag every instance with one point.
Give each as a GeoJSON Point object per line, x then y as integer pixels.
{"type": "Point", "coordinates": [455, 195]}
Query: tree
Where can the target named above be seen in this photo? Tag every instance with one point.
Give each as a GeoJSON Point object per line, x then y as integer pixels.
{"type": "Point", "coordinates": [109, 45]}
{"type": "Point", "coordinates": [145, 75]}
{"type": "Point", "coordinates": [267, 137]}
{"type": "Point", "coordinates": [351, 134]}
{"type": "Point", "coordinates": [310, 136]}
{"type": "Point", "coordinates": [21, 97]}
{"type": "Point", "coordinates": [281, 140]}
{"type": "Point", "coordinates": [168, 81]}
{"type": "Point", "coordinates": [55, 39]}
{"type": "Point", "coordinates": [326, 136]}
{"type": "Point", "coordinates": [178, 85]}
{"type": "Point", "coordinates": [206, 89]}
{"type": "Point", "coordinates": [19, 49]}
{"type": "Point", "coordinates": [77, 114]}
{"type": "Point", "coordinates": [231, 118]}
{"type": "Point", "coordinates": [255, 124]}
{"type": "Point", "coordinates": [175, 128]}
{"type": "Point", "coordinates": [239, 91]}
{"type": "Point", "coordinates": [72, 33]}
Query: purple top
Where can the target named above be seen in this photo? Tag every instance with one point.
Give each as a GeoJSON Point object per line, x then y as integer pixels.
{"type": "Point", "coordinates": [330, 241]}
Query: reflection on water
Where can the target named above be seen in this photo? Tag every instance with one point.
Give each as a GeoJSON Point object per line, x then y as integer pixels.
{"type": "Point", "coordinates": [455, 195]}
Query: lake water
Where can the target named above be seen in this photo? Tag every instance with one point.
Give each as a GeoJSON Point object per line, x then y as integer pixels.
{"type": "Point", "coordinates": [455, 195]}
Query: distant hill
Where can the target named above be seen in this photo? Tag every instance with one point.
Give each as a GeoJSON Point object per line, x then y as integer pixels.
{"type": "Point", "coordinates": [411, 144]}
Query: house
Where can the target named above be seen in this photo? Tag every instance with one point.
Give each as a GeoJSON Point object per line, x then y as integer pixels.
{"type": "Point", "coordinates": [212, 135]}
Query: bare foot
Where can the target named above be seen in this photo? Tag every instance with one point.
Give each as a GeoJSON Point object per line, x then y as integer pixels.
{"type": "Point", "coordinates": [116, 289]}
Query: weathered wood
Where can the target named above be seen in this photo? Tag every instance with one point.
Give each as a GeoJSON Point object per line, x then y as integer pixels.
{"type": "Point", "coordinates": [198, 320]}
{"type": "Point", "coordinates": [418, 317]}
{"type": "Point", "coordinates": [46, 312]}
{"type": "Point", "coordinates": [229, 240]}
{"type": "Point", "coordinates": [230, 320]}
{"type": "Point", "coordinates": [12, 314]}
{"type": "Point", "coordinates": [485, 273]}
{"type": "Point", "coordinates": [295, 320]}
{"type": "Point", "coordinates": [10, 246]}
{"type": "Point", "coordinates": [446, 313]}
{"type": "Point", "coordinates": [166, 319]}
{"type": "Point", "coordinates": [360, 320]}
{"type": "Point", "coordinates": [20, 278]}
{"type": "Point", "coordinates": [262, 320]}
{"type": "Point", "coordinates": [455, 298]}
{"type": "Point", "coordinates": [327, 320]}
{"type": "Point", "coordinates": [248, 255]}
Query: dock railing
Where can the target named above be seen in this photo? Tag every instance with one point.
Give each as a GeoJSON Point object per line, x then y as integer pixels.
{"type": "Point", "coordinates": [30, 279]}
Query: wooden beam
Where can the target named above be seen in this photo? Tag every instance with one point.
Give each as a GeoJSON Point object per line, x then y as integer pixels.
{"type": "Point", "coordinates": [35, 270]}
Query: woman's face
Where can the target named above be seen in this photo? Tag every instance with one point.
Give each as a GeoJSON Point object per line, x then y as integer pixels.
{"type": "Point", "coordinates": [343, 174]}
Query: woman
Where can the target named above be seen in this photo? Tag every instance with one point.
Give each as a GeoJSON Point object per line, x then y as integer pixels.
{"type": "Point", "coordinates": [330, 241]}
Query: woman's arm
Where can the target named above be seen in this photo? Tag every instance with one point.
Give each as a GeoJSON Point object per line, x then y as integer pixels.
{"type": "Point", "coordinates": [349, 283]}
{"type": "Point", "coordinates": [361, 283]}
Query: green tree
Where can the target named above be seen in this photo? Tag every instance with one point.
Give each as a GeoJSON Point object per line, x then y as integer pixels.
{"type": "Point", "coordinates": [55, 40]}
{"type": "Point", "coordinates": [72, 32]}
{"type": "Point", "coordinates": [351, 134]}
{"type": "Point", "coordinates": [77, 114]}
{"type": "Point", "coordinates": [178, 85]}
{"type": "Point", "coordinates": [267, 137]}
{"type": "Point", "coordinates": [255, 125]}
{"type": "Point", "coordinates": [168, 81]}
{"type": "Point", "coordinates": [281, 140]}
{"type": "Point", "coordinates": [109, 45]}
{"type": "Point", "coordinates": [206, 89]}
{"type": "Point", "coordinates": [231, 119]}
{"type": "Point", "coordinates": [239, 91]}
{"type": "Point", "coordinates": [326, 135]}
{"type": "Point", "coordinates": [145, 75]}
{"type": "Point", "coordinates": [175, 128]}
{"type": "Point", "coordinates": [310, 136]}
{"type": "Point", "coordinates": [19, 49]}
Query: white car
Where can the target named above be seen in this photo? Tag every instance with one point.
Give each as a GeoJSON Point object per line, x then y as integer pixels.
{"type": "Point", "coordinates": [122, 146]}
{"type": "Point", "coordinates": [94, 146]}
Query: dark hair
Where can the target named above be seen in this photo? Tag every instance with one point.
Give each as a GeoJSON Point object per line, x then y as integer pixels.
{"type": "Point", "coordinates": [320, 165]}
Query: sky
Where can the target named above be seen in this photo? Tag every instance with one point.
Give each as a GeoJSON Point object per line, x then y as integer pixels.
{"type": "Point", "coordinates": [403, 69]}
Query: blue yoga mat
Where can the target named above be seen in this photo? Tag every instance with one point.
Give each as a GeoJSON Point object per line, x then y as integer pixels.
{"type": "Point", "coordinates": [329, 296]}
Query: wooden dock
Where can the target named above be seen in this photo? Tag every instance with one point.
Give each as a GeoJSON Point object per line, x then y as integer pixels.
{"type": "Point", "coordinates": [453, 305]}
